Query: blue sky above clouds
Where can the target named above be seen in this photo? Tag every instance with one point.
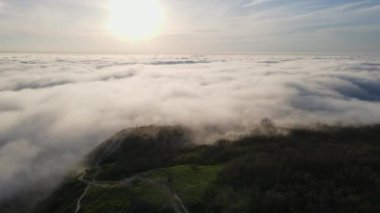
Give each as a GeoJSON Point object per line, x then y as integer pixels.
{"type": "Point", "coordinates": [204, 26]}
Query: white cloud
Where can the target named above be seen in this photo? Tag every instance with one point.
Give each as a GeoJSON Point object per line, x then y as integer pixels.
{"type": "Point", "coordinates": [22, 152]}
{"type": "Point", "coordinates": [2, 4]}
{"type": "Point", "coordinates": [54, 109]}
{"type": "Point", "coordinates": [253, 3]}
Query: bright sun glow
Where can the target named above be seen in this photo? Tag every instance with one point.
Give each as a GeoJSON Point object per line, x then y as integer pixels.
{"type": "Point", "coordinates": [135, 19]}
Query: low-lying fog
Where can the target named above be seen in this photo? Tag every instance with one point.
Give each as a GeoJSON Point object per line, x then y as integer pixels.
{"type": "Point", "coordinates": [56, 108]}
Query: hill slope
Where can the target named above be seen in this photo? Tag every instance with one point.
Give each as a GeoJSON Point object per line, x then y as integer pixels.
{"type": "Point", "coordinates": [157, 169]}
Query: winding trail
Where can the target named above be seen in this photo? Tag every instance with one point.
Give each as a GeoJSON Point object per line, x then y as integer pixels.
{"type": "Point", "coordinates": [115, 143]}
{"type": "Point", "coordinates": [177, 204]}
{"type": "Point", "coordinates": [78, 206]}
{"type": "Point", "coordinates": [180, 203]}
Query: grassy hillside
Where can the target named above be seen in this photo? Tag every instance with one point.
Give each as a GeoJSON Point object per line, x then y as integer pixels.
{"type": "Point", "coordinates": [156, 169]}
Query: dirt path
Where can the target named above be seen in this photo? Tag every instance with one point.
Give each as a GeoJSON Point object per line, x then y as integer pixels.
{"type": "Point", "coordinates": [78, 205]}
{"type": "Point", "coordinates": [180, 203]}
{"type": "Point", "coordinates": [177, 203]}
{"type": "Point", "coordinates": [115, 143]}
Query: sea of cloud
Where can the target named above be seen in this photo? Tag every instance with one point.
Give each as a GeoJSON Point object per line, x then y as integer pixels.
{"type": "Point", "coordinates": [56, 108]}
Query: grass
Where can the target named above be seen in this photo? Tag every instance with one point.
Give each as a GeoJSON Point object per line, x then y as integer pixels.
{"type": "Point", "coordinates": [152, 193]}
{"type": "Point", "coordinates": [191, 181]}
{"type": "Point", "coordinates": [107, 200]}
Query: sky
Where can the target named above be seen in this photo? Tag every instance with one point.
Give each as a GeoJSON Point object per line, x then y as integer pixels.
{"type": "Point", "coordinates": [195, 26]}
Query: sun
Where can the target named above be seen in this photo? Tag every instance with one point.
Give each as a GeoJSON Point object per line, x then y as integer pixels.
{"type": "Point", "coordinates": [135, 19]}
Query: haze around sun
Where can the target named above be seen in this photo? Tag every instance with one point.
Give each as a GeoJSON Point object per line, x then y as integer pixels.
{"type": "Point", "coordinates": [135, 20]}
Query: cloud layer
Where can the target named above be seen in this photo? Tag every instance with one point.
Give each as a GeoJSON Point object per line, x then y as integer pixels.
{"type": "Point", "coordinates": [56, 108]}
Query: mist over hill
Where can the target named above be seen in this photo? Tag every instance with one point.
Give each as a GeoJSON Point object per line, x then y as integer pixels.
{"type": "Point", "coordinates": [57, 108]}
{"type": "Point", "coordinates": [158, 169]}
